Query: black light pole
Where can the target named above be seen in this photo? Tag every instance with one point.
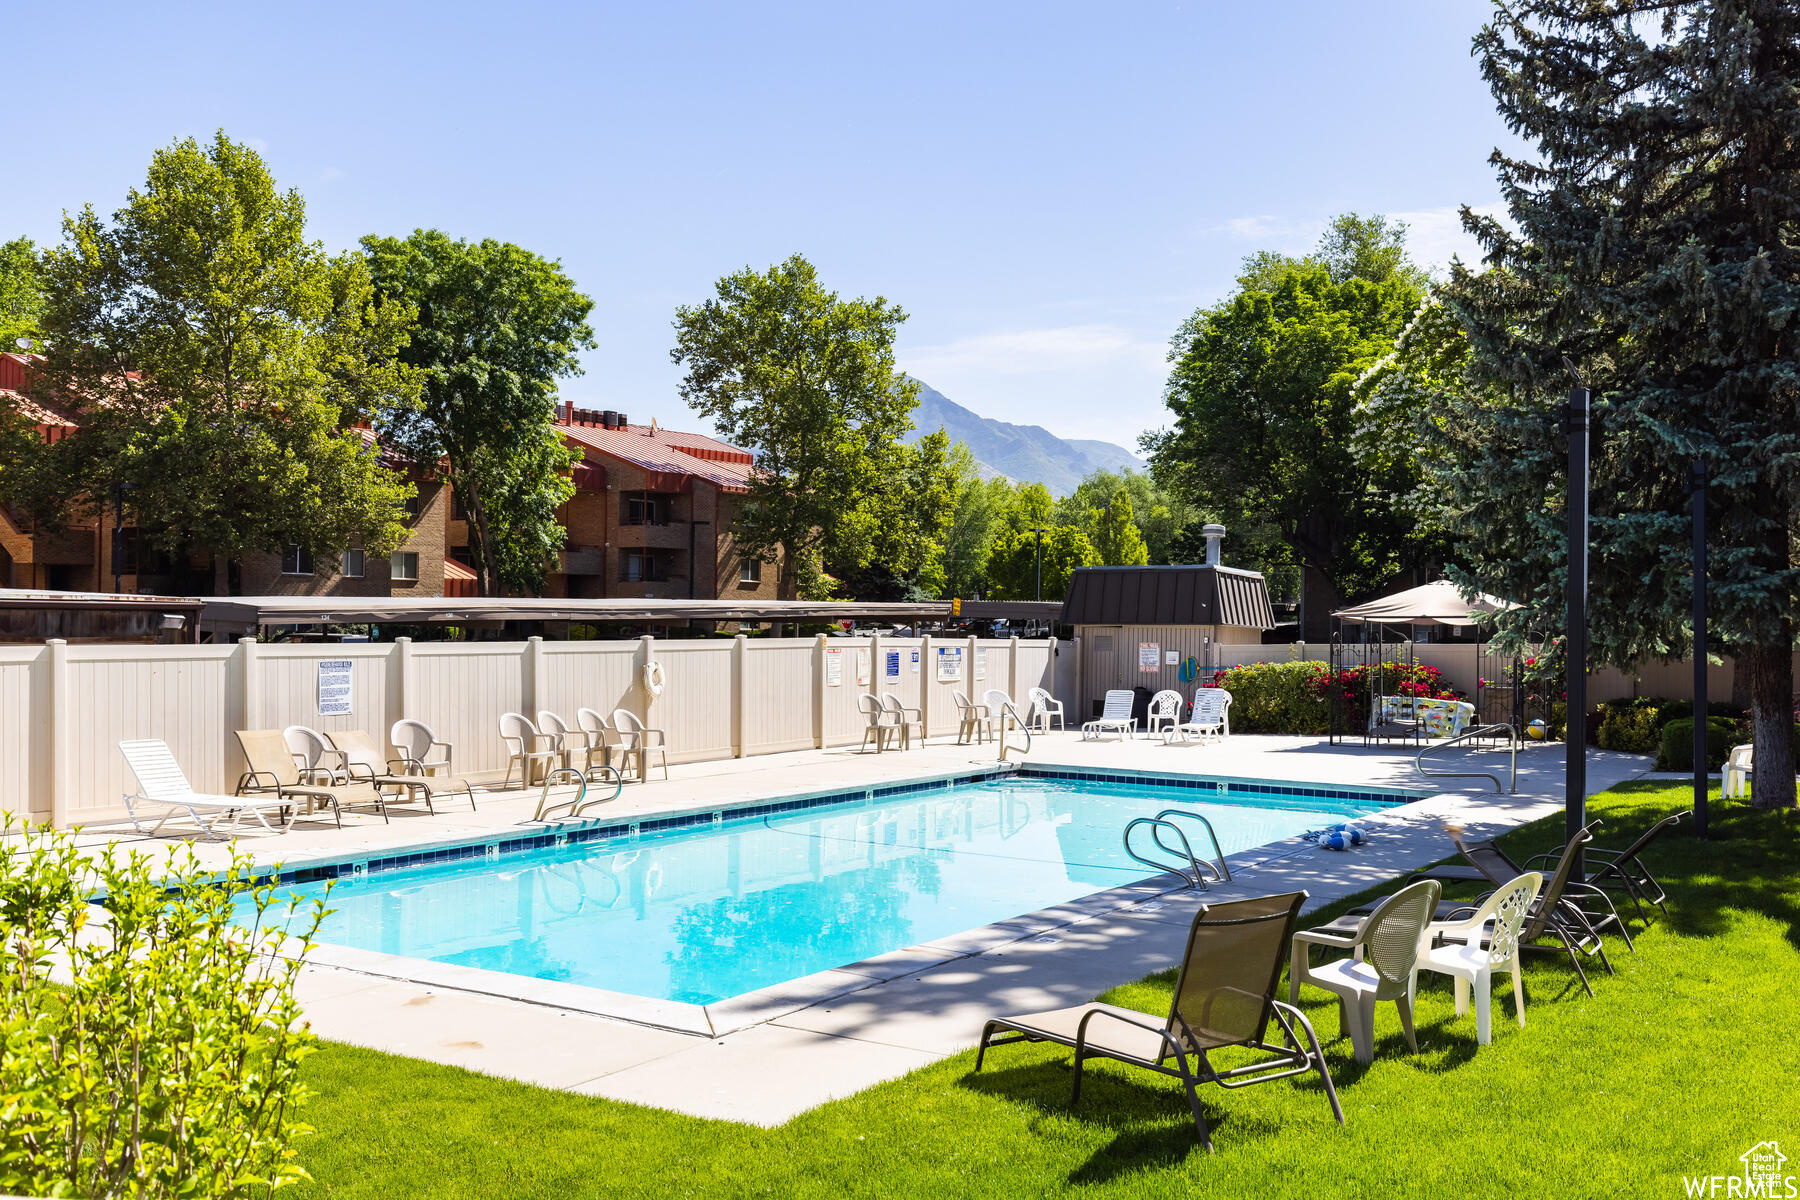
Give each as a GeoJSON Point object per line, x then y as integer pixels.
{"type": "Point", "coordinates": [1698, 486]}
{"type": "Point", "coordinates": [1575, 641]}
{"type": "Point", "coordinates": [1040, 563]}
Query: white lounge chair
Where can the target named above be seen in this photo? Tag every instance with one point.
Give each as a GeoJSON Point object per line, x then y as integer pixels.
{"type": "Point", "coordinates": [1164, 714]}
{"type": "Point", "coordinates": [1040, 707]}
{"type": "Point", "coordinates": [640, 740]}
{"type": "Point", "coordinates": [1738, 765]}
{"type": "Point", "coordinates": [1210, 718]}
{"type": "Point", "coordinates": [160, 781]}
{"type": "Point", "coordinates": [1115, 717]}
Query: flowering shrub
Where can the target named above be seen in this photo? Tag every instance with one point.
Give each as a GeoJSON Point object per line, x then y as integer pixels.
{"type": "Point", "coordinates": [1286, 697]}
{"type": "Point", "coordinates": [1351, 685]}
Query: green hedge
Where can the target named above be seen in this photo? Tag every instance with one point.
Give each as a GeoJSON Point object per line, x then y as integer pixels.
{"type": "Point", "coordinates": [1636, 726]}
{"type": "Point", "coordinates": [1678, 743]}
{"type": "Point", "coordinates": [1286, 697]}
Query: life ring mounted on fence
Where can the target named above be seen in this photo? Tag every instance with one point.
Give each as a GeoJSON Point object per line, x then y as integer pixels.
{"type": "Point", "coordinates": [653, 678]}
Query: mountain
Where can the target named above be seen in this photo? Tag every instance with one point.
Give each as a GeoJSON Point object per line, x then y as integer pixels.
{"type": "Point", "coordinates": [1023, 453]}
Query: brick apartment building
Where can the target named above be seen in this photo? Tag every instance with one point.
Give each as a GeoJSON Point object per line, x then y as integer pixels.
{"type": "Point", "coordinates": [651, 517]}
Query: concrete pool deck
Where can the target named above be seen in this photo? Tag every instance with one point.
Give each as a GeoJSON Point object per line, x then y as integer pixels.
{"type": "Point", "coordinates": [843, 1030]}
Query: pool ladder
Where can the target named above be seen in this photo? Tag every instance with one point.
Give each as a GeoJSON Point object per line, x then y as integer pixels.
{"type": "Point", "coordinates": [1007, 710]}
{"type": "Point", "coordinates": [1196, 869]}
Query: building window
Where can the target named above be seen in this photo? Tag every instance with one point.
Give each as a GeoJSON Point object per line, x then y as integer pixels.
{"type": "Point", "coordinates": [352, 564]}
{"type": "Point", "coordinates": [750, 571]}
{"type": "Point", "coordinates": [642, 509]}
{"type": "Point", "coordinates": [296, 560]}
{"type": "Point", "coordinates": [403, 566]}
{"type": "Point", "coordinates": [644, 566]}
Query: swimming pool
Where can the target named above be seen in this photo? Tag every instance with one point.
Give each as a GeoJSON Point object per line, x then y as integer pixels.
{"type": "Point", "coordinates": [719, 904]}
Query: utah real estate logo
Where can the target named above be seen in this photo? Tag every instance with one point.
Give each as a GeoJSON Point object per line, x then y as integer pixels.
{"type": "Point", "coordinates": [1763, 1179]}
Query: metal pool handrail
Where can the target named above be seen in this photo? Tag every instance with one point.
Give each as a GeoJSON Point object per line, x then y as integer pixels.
{"type": "Point", "coordinates": [1006, 708]}
{"type": "Point", "coordinates": [1512, 741]}
{"type": "Point", "coordinates": [1218, 859]}
{"type": "Point", "coordinates": [1193, 875]}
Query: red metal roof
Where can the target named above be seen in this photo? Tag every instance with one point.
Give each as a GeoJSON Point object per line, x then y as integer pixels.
{"type": "Point", "coordinates": [670, 457]}
{"type": "Point", "coordinates": [458, 579]}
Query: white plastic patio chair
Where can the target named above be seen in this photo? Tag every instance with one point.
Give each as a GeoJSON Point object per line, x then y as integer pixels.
{"type": "Point", "coordinates": [526, 745]}
{"type": "Point", "coordinates": [600, 735]}
{"type": "Point", "coordinates": [997, 703]}
{"type": "Point", "coordinates": [1738, 764]}
{"type": "Point", "coordinates": [319, 761]}
{"type": "Point", "coordinates": [636, 738]}
{"type": "Point", "coordinates": [1385, 954]}
{"type": "Point", "coordinates": [881, 722]}
{"type": "Point", "coordinates": [1115, 717]}
{"type": "Point", "coordinates": [160, 781]}
{"type": "Point", "coordinates": [1164, 714]}
{"type": "Point", "coordinates": [424, 753]}
{"type": "Point", "coordinates": [905, 719]}
{"type": "Point", "coordinates": [1041, 707]}
{"type": "Point", "coordinates": [972, 720]}
{"type": "Point", "coordinates": [1210, 718]}
{"type": "Point", "coordinates": [1472, 964]}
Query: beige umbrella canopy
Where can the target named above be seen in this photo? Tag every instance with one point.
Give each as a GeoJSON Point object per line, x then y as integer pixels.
{"type": "Point", "coordinates": [1438, 603]}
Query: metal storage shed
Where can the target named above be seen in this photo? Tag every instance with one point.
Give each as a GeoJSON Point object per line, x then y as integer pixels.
{"type": "Point", "coordinates": [1133, 620]}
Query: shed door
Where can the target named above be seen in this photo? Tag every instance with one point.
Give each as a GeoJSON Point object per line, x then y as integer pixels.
{"type": "Point", "coordinates": [1102, 667]}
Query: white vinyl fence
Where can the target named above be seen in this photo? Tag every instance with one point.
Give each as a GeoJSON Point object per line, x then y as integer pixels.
{"type": "Point", "coordinates": [64, 708]}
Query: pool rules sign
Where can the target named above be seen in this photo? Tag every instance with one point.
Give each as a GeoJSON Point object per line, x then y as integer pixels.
{"type": "Point", "coordinates": [334, 687]}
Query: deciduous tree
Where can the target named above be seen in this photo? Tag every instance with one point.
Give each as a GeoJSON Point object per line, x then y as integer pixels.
{"type": "Point", "coordinates": [497, 327]}
{"type": "Point", "coordinates": [21, 292]}
{"type": "Point", "coordinates": [1013, 562]}
{"type": "Point", "coordinates": [219, 360]}
{"type": "Point", "coordinates": [806, 381]}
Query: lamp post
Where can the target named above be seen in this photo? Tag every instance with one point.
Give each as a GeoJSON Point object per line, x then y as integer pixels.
{"type": "Point", "coordinates": [1575, 642]}
{"type": "Point", "coordinates": [1697, 485]}
{"type": "Point", "coordinates": [1040, 562]}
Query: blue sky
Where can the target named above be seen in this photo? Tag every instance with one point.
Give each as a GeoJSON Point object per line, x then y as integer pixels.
{"type": "Point", "coordinates": [1047, 189]}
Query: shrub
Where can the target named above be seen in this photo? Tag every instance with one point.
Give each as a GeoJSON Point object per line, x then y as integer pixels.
{"type": "Point", "coordinates": [164, 1060]}
{"type": "Point", "coordinates": [1631, 726]}
{"type": "Point", "coordinates": [1678, 743]}
{"type": "Point", "coordinates": [1287, 697]}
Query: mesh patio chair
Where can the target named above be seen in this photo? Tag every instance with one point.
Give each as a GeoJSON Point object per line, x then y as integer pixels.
{"type": "Point", "coordinates": [1224, 998]}
{"type": "Point", "coordinates": [1625, 869]}
{"type": "Point", "coordinates": [1553, 917]}
{"type": "Point", "coordinates": [1385, 952]}
{"type": "Point", "coordinates": [1488, 863]}
{"type": "Point", "coordinates": [364, 763]}
{"type": "Point", "coordinates": [271, 768]}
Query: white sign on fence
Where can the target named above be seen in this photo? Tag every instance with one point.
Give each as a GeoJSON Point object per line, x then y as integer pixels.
{"type": "Point", "coordinates": [949, 664]}
{"type": "Point", "coordinates": [1171, 658]}
{"type": "Point", "coordinates": [834, 668]}
{"type": "Point", "coordinates": [862, 668]}
{"type": "Point", "coordinates": [915, 657]}
{"type": "Point", "coordinates": [1149, 656]}
{"type": "Point", "coordinates": [980, 665]}
{"type": "Point", "coordinates": [334, 687]}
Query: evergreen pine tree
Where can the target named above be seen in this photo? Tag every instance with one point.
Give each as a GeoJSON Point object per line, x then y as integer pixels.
{"type": "Point", "coordinates": [1658, 246]}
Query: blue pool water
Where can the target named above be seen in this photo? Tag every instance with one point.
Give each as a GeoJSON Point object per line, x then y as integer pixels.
{"type": "Point", "coordinates": [701, 913]}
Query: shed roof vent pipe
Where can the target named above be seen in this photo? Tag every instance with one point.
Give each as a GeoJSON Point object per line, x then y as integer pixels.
{"type": "Point", "coordinates": [1214, 534]}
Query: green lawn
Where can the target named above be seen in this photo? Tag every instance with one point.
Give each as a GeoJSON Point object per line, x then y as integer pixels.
{"type": "Point", "coordinates": [1683, 1060]}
